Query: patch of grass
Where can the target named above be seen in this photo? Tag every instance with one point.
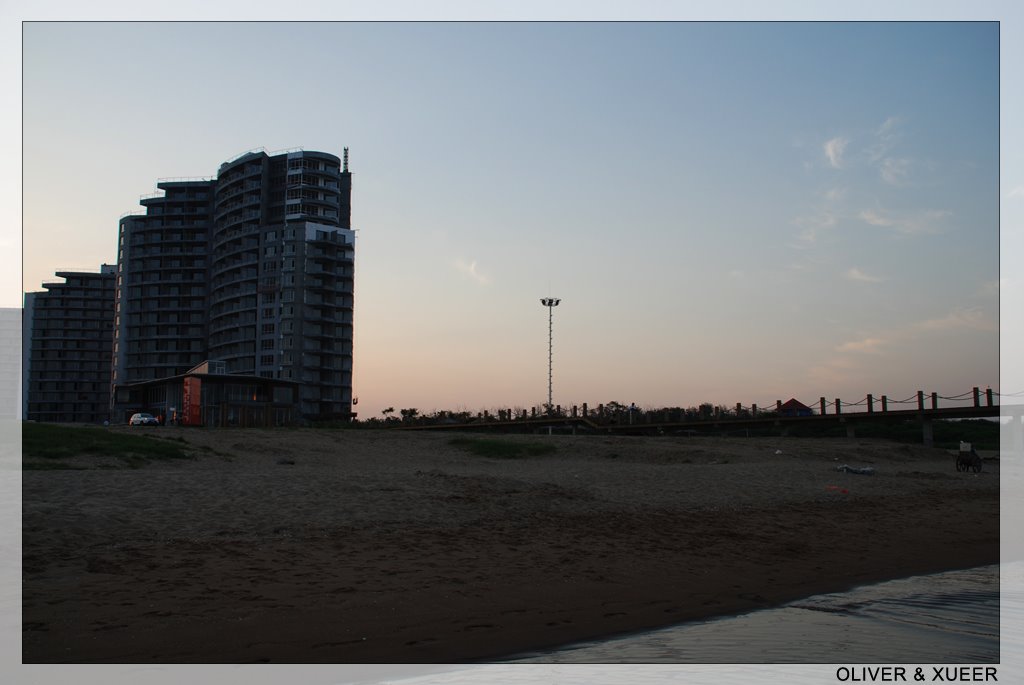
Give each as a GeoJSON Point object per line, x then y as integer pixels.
{"type": "Point", "coordinates": [501, 449]}
{"type": "Point", "coordinates": [48, 441]}
{"type": "Point", "coordinates": [49, 466]}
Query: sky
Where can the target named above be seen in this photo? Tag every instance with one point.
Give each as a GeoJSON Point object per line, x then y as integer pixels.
{"type": "Point", "coordinates": [730, 212]}
{"type": "Point", "coordinates": [713, 204]}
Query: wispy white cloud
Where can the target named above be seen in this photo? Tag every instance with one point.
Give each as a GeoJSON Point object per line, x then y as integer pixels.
{"type": "Point", "coordinates": [972, 318]}
{"type": "Point", "coordinates": [894, 171]}
{"type": "Point", "coordinates": [886, 136]}
{"type": "Point", "coordinates": [811, 226]}
{"type": "Point", "coordinates": [833, 371]}
{"type": "Point", "coordinates": [835, 194]}
{"type": "Point", "coordinates": [846, 361]}
{"type": "Point", "coordinates": [855, 274]}
{"type": "Point", "coordinates": [834, 151]}
{"type": "Point", "coordinates": [887, 130]}
{"type": "Point", "coordinates": [470, 270]}
{"type": "Point", "coordinates": [867, 346]}
{"type": "Point", "coordinates": [927, 221]}
{"type": "Point", "coordinates": [875, 218]}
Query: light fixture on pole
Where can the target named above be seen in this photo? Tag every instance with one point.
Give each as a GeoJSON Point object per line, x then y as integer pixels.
{"type": "Point", "coordinates": [550, 303]}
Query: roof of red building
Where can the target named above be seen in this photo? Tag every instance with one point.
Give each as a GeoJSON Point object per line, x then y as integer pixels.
{"type": "Point", "coordinates": [793, 404]}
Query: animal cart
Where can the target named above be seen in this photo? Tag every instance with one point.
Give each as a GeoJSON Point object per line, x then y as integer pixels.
{"type": "Point", "coordinates": [967, 459]}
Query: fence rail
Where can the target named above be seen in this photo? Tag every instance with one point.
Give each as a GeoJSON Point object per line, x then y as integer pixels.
{"type": "Point", "coordinates": [618, 418]}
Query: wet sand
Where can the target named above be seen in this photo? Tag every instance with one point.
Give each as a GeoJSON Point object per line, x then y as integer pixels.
{"type": "Point", "coordinates": [398, 547]}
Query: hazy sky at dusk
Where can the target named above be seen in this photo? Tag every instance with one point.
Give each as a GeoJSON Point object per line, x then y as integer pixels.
{"type": "Point", "coordinates": [732, 212]}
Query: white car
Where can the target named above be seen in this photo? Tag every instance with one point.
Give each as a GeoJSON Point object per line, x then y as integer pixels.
{"type": "Point", "coordinates": [143, 419]}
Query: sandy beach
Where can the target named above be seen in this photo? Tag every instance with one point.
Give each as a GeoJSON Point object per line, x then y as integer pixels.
{"type": "Point", "coordinates": [360, 546]}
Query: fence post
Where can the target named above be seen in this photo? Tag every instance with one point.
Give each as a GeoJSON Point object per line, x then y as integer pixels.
{"type": "Point", "coordinates": [988, 396]}
{"type": "Point", "coordinates": [920, 400]}
{"type": "Point", "coordinates": [584, 410]}
{"type": "Point", "coordinates": [839, 407]}
{"type": "Point", "coordinates": [822, 406]}
{"type": "Point", "coordinates": [885, 404]}
{"type": "Point", "coordinates": [533, 412]}
{"type": "Point", "coordinates": [935, 400]}
{"type": "Point", "coordinates": [753, 411]}
{"type": "Point", "coordinates": [738, 408]}
{"type": "Point", "coordinates": [977, 398]}
{"type": "Point", "coordinates": [871, 404]}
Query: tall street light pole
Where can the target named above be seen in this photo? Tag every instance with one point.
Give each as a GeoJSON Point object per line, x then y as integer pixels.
{"type": "Point", "coordinates": [550, 303]}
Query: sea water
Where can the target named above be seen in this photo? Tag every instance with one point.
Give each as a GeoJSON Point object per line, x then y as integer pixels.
{"type": "Point", "coordinates": [945, 618]}
{"type": "Point", "coordinates": [920, 622]}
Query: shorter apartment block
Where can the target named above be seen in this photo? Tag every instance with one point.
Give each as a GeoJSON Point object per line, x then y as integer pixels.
{"type": "Point", "coordinates": [67, 346]}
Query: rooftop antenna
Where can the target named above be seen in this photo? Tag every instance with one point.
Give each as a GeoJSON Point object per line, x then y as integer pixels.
{"type": "Point", "coordinates": [344, 166]}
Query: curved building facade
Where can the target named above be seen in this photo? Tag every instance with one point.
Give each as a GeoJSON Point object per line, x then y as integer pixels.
{"type": "Point", "coordinates": [270, 255]}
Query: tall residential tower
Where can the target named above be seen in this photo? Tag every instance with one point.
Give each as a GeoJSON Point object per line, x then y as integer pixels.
{"type": "Point", "coordinates": [253, 268]}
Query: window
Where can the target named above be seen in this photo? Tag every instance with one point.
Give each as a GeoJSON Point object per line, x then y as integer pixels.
{"type": "Point", "coordinates": [266, 344]}
{"type": "Point", "coordinates": [267, 360]}
{"type": "Point", "coordinates": [268, 329]}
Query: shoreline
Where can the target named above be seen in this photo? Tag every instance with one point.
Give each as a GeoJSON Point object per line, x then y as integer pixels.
{"type": "Point", "coordinates": [380, 547]}
{"type": "Point", "coordinates": [857, 600]}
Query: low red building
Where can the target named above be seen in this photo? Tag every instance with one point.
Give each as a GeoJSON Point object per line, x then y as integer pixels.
{"type": "Point", "coordinates": [795, 407]}
{"type": "Point", "coordinates": [207, 396]}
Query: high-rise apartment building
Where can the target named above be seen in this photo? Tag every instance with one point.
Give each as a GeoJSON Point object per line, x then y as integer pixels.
{"type": "Point", "coordinates": [163, 284]}
{"type": "Point", "coordinates": [281, 274]}
{"type": "Point", "coordinates": [67, 348]}
{"type": "Point", "coordinates": [253, 268]}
